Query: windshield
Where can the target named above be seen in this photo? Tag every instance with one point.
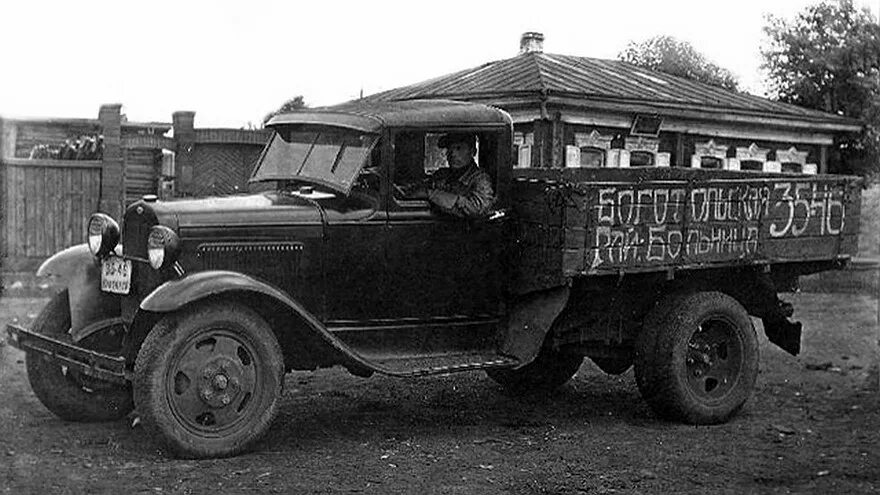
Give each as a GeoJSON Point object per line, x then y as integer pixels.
{"type": "Point", "coordinates": [330, 156]}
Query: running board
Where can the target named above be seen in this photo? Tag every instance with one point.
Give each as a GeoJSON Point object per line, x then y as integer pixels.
{"type": "Point", "coordinates": [112, 368]}
{"type": "Point", "coordinates": [442, 364]}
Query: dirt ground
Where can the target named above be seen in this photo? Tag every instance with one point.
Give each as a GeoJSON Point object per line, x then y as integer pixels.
{"type": "Point", "coordinates": [812, 426]}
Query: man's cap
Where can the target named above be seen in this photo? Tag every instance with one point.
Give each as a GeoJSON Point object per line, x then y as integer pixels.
{"type": "Point", "coordinates": [457, 137]}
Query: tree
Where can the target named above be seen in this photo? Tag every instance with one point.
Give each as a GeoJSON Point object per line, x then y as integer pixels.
{"type": "Point", "coordinates": [679, 58]}
{"type": "Point", "coordinates": [828, 58]}
{"type": "Point", "coordinates": [295, 103]}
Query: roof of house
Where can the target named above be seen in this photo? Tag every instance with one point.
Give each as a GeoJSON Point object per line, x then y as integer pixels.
{"type": "Point", "coordinates": [371, 116]}
{"type": "Point", "coordinates": [589, 81]}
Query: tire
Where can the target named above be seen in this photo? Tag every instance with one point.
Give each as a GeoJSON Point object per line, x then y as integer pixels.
{"type": "Point", "coordinates": [697, 358]}
{"type": "Point", "coordinates": [208, 380]}
{"type": "Point", "coordinates": [613, 366]}
{"type": "Point", "coordinates": [68, 394]}
{"type": "Point", "coordinates": [549, 371]}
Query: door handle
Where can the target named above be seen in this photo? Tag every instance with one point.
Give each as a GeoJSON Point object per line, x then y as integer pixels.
{"type": "Point", "coordinates": [497, 216]}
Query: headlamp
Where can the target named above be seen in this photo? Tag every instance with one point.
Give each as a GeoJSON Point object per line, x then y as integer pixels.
{"type": "Point", "coordinates": [103, 234]}
{"type": "Point", "coordinates": [163, 246]}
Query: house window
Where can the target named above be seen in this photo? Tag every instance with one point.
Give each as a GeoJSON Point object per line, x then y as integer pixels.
{"type": "Point", "coordinates": [592, 157]}
{"type": "Point", "coordinates": [642, 151]}
{"type": "Point", "coordinates": [752, 157]}
{"type": "Point", "coordinates": [593, 148]}
{"type": "Point", "coordinates": [792, 168]}
{"type": "Point", "coordinates": [710, 155]}
{"type": "Point", "coordinates": [751, 165]}
{"type": "Point", "coordinates": [792, 160]}
{"type": "Point", "coordinates": [641, 159]}
{"type": "Point", "coordinates": [711, 162]}
{"type": "Point", "coordinates": [522, 149]}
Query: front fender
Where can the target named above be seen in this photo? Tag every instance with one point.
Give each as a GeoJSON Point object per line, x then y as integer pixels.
{"type": "Point", "coordinates": [75, 269]}
{"type": "Point", "coordinates": [175, 294]}
{"type": "Point", "coordinates": [68, 264]}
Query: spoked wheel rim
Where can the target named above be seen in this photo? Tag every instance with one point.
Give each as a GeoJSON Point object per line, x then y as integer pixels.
{"type": "Point", "coordinates": [714, 360]}
{"type": "Point", "coordinates": [214, 384]}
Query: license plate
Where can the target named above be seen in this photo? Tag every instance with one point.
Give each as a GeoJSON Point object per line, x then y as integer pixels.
{"type": "Point", "coordinates": [116, 275]}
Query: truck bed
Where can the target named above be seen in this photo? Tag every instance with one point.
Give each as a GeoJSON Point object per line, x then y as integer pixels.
{"type": "Point", "coordinates": [581, 222]}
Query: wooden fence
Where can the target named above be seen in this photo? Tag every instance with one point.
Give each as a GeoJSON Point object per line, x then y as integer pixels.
{"type": "Point", "coordinates": [46, 205]}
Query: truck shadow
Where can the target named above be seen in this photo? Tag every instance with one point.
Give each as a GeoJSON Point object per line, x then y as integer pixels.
{"type": "Point", "coordinates": [328, 407]}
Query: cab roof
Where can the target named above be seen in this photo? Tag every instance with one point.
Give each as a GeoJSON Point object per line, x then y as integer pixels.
{"type": "Point", "coordinates": [372, 116]}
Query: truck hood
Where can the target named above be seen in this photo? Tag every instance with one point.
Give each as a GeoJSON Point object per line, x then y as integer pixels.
{"type": "Point", "coordinates": [270, 208]}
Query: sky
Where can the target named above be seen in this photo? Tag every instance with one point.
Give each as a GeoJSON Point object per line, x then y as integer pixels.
{"type": "Point", "coordinates": [233, 62]}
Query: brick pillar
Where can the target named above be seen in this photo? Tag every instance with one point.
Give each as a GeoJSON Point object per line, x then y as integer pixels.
{"type": "Point", "coordinates": [184, 159]}
{"type": "Point", "coordinates": [112, 173]}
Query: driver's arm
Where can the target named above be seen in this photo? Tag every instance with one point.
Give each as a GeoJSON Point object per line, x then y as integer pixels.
{"type": "Point", "coordinates": [414, 190]}
{"type": "Point", "coordinates": [476, 201]}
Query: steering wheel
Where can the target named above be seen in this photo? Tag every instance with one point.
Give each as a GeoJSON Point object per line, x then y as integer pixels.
{"type": "Point", "coordinates": [369, 178]}
{"type": "Point", "coordinates": [399, 191]}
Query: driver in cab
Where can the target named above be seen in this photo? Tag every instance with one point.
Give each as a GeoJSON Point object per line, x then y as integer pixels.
{"type": "Point", "coordinates": [463, 189]}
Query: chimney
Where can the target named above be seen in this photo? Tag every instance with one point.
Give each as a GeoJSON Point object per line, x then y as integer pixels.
{"type": "Point", "coordinates": [531, 42]}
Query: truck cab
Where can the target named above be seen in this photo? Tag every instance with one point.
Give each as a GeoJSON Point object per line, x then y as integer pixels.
{"type": "Point", "coordinates": [400, 280]}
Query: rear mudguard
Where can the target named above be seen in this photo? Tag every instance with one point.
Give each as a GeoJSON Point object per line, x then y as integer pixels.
{"type": "Point", "coordinates": [175, 294]}
{"type": "Point", "coordinates": [90, 309]}
{"type": "Point", "coordinates": [531, 317]}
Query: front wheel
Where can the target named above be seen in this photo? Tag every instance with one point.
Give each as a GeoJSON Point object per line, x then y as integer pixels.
{"type": "Point", "coordinates": [69, 394]}
{"type": "Point", "coordinates": [697, 358]}
{"type": "Point", "coordinates": [208, 380]}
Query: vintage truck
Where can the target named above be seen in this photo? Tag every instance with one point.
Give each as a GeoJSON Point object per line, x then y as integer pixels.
{"type": "Point", "coordinates": [192, 311]}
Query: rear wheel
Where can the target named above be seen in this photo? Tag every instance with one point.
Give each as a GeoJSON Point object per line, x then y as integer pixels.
{"type": "Point", "coordinates": [550, 370]}
{"type": "Point", "coordinates": [697, 358]}
{"type": "Point", "coordinates": [208, 380]}
{"type": "Point", "coordinates": [69, 394]}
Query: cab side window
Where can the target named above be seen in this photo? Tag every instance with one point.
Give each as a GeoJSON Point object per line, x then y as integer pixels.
{"type": "Point", "coordinates": [370, 177]}
{"type": "Point", "coordinates": [418, 156]}
{"type": "Point", "coordinates": [409, 153]}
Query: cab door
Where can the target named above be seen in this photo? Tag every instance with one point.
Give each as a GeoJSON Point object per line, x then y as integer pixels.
{"type": "Point", "coordinates": [440, 267]}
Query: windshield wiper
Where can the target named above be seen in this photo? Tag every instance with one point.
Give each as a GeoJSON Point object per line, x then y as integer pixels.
{"type": "Point", "coordinates": [308, 153]}
{"type": "Point", "coordinates": [338, 158]}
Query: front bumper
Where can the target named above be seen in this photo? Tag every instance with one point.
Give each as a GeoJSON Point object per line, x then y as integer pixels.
{"type": "Point", "coordinates": [94, 364]}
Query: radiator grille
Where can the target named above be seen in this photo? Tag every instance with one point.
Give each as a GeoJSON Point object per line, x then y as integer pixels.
{"type": "Point", "coordinates": [135, 230]}
{"type": "Point", "coordinates": [139, 219]}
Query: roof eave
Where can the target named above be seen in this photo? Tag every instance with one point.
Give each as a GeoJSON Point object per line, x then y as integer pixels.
{"type": "Point", "coordinates": [730, 115]}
